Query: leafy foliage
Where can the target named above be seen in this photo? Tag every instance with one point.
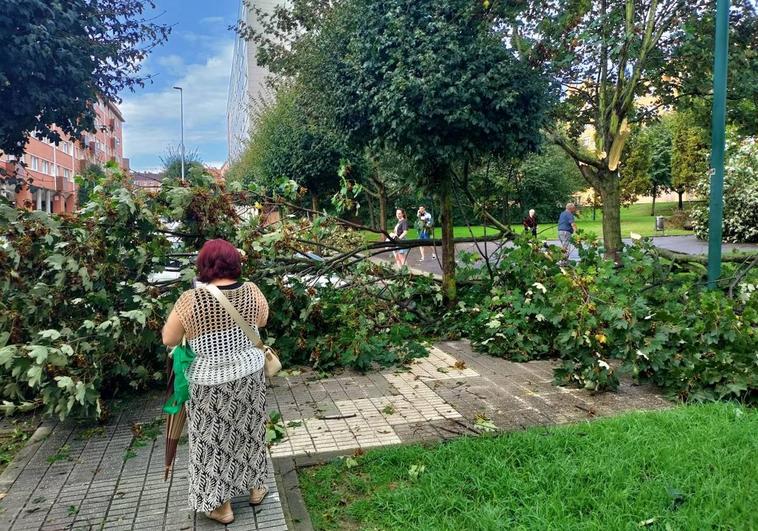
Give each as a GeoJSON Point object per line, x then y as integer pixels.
{"type": "Point", "coordinates": [84, 298]}
{"type": "Point", "coordinates": [616, 58]}
{"type": "Point", "coordinates": [428, 80]}
{"type": "Point", "coordinates": [58, 58]}
{"type": "Point", "coordinates": [740, 195]}
{"type": "Point", "coordinates": [288, 143]}
{"type": "Point", "coordinates": [661, 323]}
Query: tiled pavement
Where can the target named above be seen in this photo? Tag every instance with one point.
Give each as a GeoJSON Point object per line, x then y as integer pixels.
{"type": "Point", "coordinates": [76, 477]}
{"type": "Point", "coordinates": [437, 398]}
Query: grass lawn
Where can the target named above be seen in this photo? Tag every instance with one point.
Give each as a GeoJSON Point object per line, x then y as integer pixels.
{"type": "Point", "coordinates": [692, 467]}
{"type": "Point", "coordinates": [635, 218]}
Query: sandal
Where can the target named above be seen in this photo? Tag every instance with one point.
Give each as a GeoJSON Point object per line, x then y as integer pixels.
{"type": "Point", "coordinates": [257, 495]}
{"type": "Point", "coordinates": [222, 515]}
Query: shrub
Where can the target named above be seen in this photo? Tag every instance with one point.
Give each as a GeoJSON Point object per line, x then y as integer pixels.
{"type": "Point", "coordinates": [679, 219]}
{"type": "Point", "coordinates": [78, 316]}
{"type": "Point", "coordinates": [740, 196]}
{"type": "Point", "coordinates": [658, 320]}
{"type": "Point", "coordinates": [81, 310]}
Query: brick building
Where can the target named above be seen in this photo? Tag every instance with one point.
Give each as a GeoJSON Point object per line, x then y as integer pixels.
{"type": "Point", "coordinates": [50, 169]}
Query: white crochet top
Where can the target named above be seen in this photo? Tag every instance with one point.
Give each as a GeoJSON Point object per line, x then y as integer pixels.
{"type": "Point", "coordinates": [222, 350]}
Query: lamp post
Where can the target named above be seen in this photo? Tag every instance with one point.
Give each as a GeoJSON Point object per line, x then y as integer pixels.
{"type": "Point", "coordinates": [718, 126]}
{"type": "Point", "coordinates": [181, 114]}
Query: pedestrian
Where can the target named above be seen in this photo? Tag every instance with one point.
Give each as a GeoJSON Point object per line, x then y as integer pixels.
{"type": "Point", "coordinates": [425, 228]}
{"type": "Point", "coordinates": [530, 223]}
{"type": "Point", "coordinates": [566, 228]}
{"type": "Point", "coordinates": [400, 233]}
{"type": "Point", "coordinates": [226, 410]}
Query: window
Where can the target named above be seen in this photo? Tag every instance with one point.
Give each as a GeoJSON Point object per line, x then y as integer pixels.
{"type": "Point", "coordinates": [46, 167]}
{"type": "Point", "coordinates": [35, 163]}
{"type": "Point", "coordinates": [66, 147]}
{"type": "Point", "coordinates": [67, 174]}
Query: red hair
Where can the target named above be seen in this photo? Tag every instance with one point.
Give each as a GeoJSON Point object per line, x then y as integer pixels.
{"type": "Point", "coordinates": [218, 259]}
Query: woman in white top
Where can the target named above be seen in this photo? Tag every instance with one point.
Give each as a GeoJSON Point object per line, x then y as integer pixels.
{"type": "Point", "coordinates": [226, 411]}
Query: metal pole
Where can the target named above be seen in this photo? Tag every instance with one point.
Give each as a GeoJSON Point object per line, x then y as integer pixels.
{"type": "Point", "coordinates": [181, 115]}
{"type": "Point", "coordinates": [718, 127]}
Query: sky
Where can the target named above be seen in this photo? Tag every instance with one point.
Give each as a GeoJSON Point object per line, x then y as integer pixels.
{"type": "Point", "coordinates": [197, 57]}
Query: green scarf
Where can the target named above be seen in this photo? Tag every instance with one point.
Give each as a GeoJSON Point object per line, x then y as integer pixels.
{"type": "Point", "coordinates": [182, 356]}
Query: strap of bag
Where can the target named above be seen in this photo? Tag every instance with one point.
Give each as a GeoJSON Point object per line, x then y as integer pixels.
{"type": "Point", "coordinates": [251, 333]}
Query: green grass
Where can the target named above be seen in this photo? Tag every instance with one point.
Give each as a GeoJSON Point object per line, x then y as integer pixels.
{"type": "Point", "coordinates": [692, 467]}
{"type": "Point", "coordinates": [635, 218]}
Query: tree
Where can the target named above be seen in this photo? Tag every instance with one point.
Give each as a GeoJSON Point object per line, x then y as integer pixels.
{"type": "Point", "coordinates": [689, 154]}
{"type": "Point", "coordinates": [430, 80]}
{"type": "Point", "coordinates": [543, 181]}
{"type": "Point", "coordinates": [86, 182]}
{"type": "Point", "coordinates": [288, 143]}
{"type": "Point", "coordinates": [58, 58]}
{"type": "Point", "coordinates": [647, 167]}
{"type": "Point", "coordinates": [610, 57]}
{"type": "Point", "coordinates": [687, 77]}
{"type": "Point", "coordinates": [740, 195]}
{"type": "Point", "coordinates": [172, 163]}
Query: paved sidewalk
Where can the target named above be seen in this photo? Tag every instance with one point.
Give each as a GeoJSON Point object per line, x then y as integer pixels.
{"type": "Point", "coordinates": [111, 477]}
{"type": "Point", "coordinates": [437, 398]}
{"type": "Point", "coordinates": [85, 478]}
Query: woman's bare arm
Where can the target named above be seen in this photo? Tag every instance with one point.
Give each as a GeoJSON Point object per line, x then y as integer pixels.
{"type": "Point", "coordinates": [173, 330]}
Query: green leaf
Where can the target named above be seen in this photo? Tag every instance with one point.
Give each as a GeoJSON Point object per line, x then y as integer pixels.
{"type": "Point", "coordinates": [35, 375]}
{"type": "Point", "coordinates": [39, 353]}
{"type": "Point", "coordinates": [65, 382]}
{"type": "Point", "coordinates": [135, 315]}
{"type": "Point", "coordinates": [51, 334]}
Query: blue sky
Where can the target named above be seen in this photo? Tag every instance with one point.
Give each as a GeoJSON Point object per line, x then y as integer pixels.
{"type": "Point", "coordinates": [198, 57]}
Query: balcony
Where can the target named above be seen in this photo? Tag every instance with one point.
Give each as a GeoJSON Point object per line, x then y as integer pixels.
{"type": "Point", "coordinates": [63, 185]}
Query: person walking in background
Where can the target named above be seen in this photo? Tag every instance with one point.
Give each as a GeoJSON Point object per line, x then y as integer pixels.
{"type": "Point", "coordinates": [425, 228]}
{"type": "Point", "coordinates": [226, 410]}
{"type": "Point", "coordinates": [400, 233]}
{"type": "Point", "coordinates": [530, 223]}
{"type": "Point", "coordinates": [566, 228]}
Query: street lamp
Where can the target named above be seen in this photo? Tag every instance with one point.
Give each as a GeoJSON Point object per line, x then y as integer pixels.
{"type": "Point", "coordinates": [718, 126]}
{"type": "Point", "coordinates": [181, 114]}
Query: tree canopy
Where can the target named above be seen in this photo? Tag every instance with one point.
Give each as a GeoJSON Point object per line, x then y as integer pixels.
{"type": "Point", "coordinates": [289, 143]}
{"type": "Point", "coordinates": [615, 61]}
{"type": "Point", "coordinates": [429, 80]}
{"type": "Point", "coordinates": [58, 58]}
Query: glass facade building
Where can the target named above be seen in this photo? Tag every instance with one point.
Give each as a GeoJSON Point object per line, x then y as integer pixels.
{"type": "Point", "coordinates": [247, 83]}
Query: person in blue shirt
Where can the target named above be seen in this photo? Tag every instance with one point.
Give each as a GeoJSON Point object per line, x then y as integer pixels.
{"type": "Point", "coordinates": [566, 228]}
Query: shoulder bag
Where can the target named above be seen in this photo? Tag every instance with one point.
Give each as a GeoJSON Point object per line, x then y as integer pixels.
{"type": "Point", "coordinates": [271, 363]}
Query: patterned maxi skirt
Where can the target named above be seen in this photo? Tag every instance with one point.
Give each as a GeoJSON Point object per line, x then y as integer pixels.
{"type": "Point", "coordinates": [227, 440]}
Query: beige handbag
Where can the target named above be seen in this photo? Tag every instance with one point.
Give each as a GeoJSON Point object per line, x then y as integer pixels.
{"type": "Point", "coordinates": [271, 363]}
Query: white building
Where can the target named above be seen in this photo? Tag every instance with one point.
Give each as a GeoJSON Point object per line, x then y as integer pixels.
{"type": "Point", "coordinates": [247, 83]}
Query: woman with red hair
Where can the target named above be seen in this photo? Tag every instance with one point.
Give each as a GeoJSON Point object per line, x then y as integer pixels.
{"type": "Point", "coordinates": [226, 410]}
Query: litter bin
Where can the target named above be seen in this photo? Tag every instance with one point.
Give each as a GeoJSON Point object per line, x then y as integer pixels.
{"type": "Point", "coordinates": [659, 225]}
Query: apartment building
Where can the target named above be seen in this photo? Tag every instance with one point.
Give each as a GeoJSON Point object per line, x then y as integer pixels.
{"type": "Point", "coordinates": [49, 169]}
{"type": "Point", "coordinates": [247, 82]}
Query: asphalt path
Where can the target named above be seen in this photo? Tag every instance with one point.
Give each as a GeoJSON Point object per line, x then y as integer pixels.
{"type": "Point", "coordinates": [681, 244]}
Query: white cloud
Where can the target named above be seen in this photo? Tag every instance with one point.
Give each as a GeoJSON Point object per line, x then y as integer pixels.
{"type": "Point", "coordinates": [173, 63]}
{"type": "Point", "coordinates": [152, 118]}
{"type": "Point", "coordinates": [211, 20]}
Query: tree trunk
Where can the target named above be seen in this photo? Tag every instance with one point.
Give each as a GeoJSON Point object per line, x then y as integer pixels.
{"type": "Point", "coordinates": [382, 208]}
{"type": "Point", "coordinates": [314, 202]}
{"type": "Point", "coordinates": [371, 213]}
{"type": "Point", "coordinates": [681, 201]}
{"type": "Point", "coordinates": [448, 244]}
{"type": "Point", "coordinates": [610, 193]}
{"type": "Point", "coordinates": [655, 193]}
